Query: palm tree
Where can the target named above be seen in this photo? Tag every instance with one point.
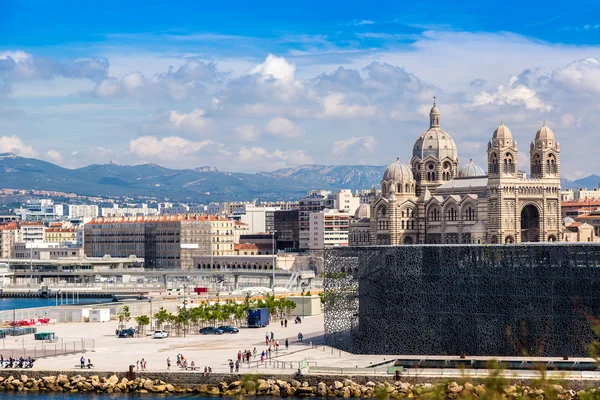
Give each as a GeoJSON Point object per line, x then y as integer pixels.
{"type": "Point", "coordinates": [161, 316]}
{"type": "Point", "coordinates": [142, 321]}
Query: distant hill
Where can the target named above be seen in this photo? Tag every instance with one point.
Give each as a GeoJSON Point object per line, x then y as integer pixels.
{"type": "Point", "coordinates": [201, 184]}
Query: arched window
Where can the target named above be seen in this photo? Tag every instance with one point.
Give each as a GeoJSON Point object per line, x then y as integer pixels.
{"type": "Point", "coordinates": [536, 166]}
{"type": "Point", "coordinates": [509, 166]}
{"type": "Point", "coordinates": [552, 165]}
{"type": "Point", "coordinates": [399, 188]}
{"type": "Point", "coordinates": [434, 214]}
{"type": "Point", "coordinates": [451, 213]}
{"type": "Point", "coordinates": [469, 213]}
{"type": "Point", "coordinates": [493, 167]}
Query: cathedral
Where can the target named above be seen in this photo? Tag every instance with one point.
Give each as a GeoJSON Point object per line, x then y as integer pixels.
{"type": "Point", "coordinates": [434, 199]}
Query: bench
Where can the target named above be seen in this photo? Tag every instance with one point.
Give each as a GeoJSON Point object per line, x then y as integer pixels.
{"type": "Point", "coordinates": [192, 368]}
{"type": "Point", "coordinates": [87, 366]}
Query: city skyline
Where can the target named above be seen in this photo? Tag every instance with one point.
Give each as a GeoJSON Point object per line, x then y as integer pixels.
{"type": "Point", "coordinates": [263, 87]}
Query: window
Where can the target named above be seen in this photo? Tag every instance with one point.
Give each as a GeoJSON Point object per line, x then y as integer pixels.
{"type": "Point", "coordinates": [451, 214]}
{"type": "Point", "coordinates": [434, 214]}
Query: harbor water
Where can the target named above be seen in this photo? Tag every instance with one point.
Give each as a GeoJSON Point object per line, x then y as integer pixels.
{"type": "Point", "coordinates": [22, 302]}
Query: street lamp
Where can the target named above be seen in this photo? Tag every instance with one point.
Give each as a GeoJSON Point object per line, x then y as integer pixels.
{"type": "Point", "coordinates": [184, 310]}
{"type": "Point", "coordinates": [302, 302]}
{"type": "Point", "coordinates": [274, 261]}
{"type": "Point", "coordinates": [150, 301]}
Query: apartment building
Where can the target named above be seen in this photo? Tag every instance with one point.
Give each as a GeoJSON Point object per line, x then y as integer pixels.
{"type": "Point", "coordinates": [314, 201]}
{"type": "Point", "coordinates": [328, 228]}
{"type": "Point", "coordinates": [9, 235]}
{"type": "Point", "coordinates": [44, 251]}
{"type": "Point", "coordinates": [167, 241]}
{"type": "Point", "coordinates": [32, 232]}
{"type": "Point", "coordinates": [83, 211]}
{"type": "Point", "coordinates": [287, 231]}
{"type": "Point", "coordinates": [61, 235]}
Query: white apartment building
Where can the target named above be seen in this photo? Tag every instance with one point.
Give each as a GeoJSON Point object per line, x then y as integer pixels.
{"type": "Point", "coordinates": [174, 210]}
{"type": "Point", "coordinates": [567, 195]}
{"type": "Point", "coordinates": [587, 194]}
{"type": "Point", "coordinates": [32, 232]}
{"type": "Point", "coordinates": [83, 211]}
{"type": "Point", "coordinates": [142, 210]}
{"type": "Point", "coordinates": [258, 219]}
{"type": "Point", "coordinates": [45, 251]}
{"type": "Point", "coordinates": [197, 209]}
{"type": "Point", "coordinates": [328, 228]}
{"type": "Point", "coordinates": [40, 210]}
{"type": "Point", "coordinates": [214, 208]}
{"type": "Point", "coordinates": [347, 202]}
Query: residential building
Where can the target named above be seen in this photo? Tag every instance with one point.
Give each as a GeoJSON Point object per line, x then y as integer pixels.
{"type": "Point", "coordinates": [246, 249]}
{"type": "Point", "coordinates": [258, 219]}
{"type": "Point", "coordinates": [140, 210]}
{"type": "Point", "coordinates": [587, 194]}
{"type": "Point", "coordinates": [263, 242]}
{"type": "Point", "coordinates": [239, 228]}
{"type": "Point", "coordinates": [314, 201]}
{"type": "Point", "coordinates": [181, 209]}
{"type": "Point", "coordinates": [287, 229]}
{"type": "Point", "coordinates": [576, 208]}
{"type": "Point", "coordinates": [346, 201]}
{"type": "Point", "coordinates": [61, 235]}
{"type": "Point", "coordinates": [328, 228]}
{"type": "Point", "coordinates": [40, 210]}
{"type": "Point", "coordinates": [32, 232]}
{"type": "Point", "coordinates": [585, 229]}
{"type": "Point", "coordinates": [45, 251]}
{"type": "Point", "coordinates": [83, 211]}
{"type": "Point", "coordinates": [168, 241]}
{"type": "Point", "coordinates": [9, 235]}
{"type": "Point", "coordinates": [567, 195]}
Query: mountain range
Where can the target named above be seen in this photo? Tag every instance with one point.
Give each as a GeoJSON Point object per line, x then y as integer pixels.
{"type": "Point", "coordinates": [201, 184]}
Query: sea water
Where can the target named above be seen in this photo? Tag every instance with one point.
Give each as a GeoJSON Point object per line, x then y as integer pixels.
{"type": "Point", "coordinates": [19, 302]}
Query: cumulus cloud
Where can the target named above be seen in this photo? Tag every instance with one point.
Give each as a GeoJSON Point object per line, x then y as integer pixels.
{"type": "Point", "coordinates": [248, 133]}
{"type": "Point", "coordinates": [168, 148]}
{"type": "Point", "coordinates": [578, 76]}
{"type": "Point", "coordinates": [278, 157]}
{"type": "Point", "coordinates": [284, 128]}
{"type": "Point", "coordinates": [13, 144]}
{"type": "Point", "coordinates": [193, 122]}
{"type": "Point", "coordinates": [512, 94]}
{"type": "Point", "coordinates": [277, 68]}
{"type": "Point", "coordinates": [334, 106]}
{"type": "Point", "coordinates": [363, 143]}
{"type": "Point", "coordinates": [53, 156]}
{"type": "Point", "coordinates": [184, 83]}
{"type": "Point", "coordinates": [19, 65]}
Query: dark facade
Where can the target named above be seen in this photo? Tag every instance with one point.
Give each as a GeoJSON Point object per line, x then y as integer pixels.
{"type": "Point", "coordinates": [287, 228]}
{"type": "Point", "coordinates": [534, 299]}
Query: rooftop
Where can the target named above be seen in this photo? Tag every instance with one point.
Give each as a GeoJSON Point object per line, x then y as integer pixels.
{"type": "Point", "coordinates": [157, 218]}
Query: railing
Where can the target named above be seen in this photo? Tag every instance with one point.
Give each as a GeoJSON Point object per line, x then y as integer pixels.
{"type": "Point", "coordinates": [49, 349]}
{"type": "Point", "coordinates": [329, 349]}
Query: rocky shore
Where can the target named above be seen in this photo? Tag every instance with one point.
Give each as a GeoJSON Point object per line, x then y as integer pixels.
{"type": "Point", "coordinates": [252, 385]}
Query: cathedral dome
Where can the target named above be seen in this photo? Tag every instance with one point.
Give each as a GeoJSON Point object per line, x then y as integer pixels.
{"type": "Point", "coordinates": [398, 173]}
{"type": "Point", "coordinates": [435, 142]}
{"type": "Point", "coordinates": [363, 211]}
{"type": "Point", "coordinates": [544, 133]}
{"type": "Point", "coordinates": [471, 170]}
{"type": "Point", "coordinates": [502, 132]}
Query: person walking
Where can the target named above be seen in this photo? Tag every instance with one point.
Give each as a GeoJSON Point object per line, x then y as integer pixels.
{"type": "Point", "coordinates": [82, 362]}
{"type": "Point", "coordinates": [237, 366]}
{"type": "Point", "coordinates": [137, 365]}
{"type": "Point", "coordinates": [285, 323]}
{"type": "Point", "coordinates": [287, 344]}
{"type": "Point", "coordinates": [254, 352]}
{"type": "Point", "coordinates": [231, 366]}
{"type": "Point", "coordinates": [239, 356]}
{"type": "Point", "coordinates": [272, 336]}
{"type": "Point", "coordinates": [282, 323]}
{"type": "Point", "coordinates": [168, 363]}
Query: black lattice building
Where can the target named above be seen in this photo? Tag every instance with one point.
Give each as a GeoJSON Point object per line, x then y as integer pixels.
{"type": "Point", "coordinates": [533, 299]}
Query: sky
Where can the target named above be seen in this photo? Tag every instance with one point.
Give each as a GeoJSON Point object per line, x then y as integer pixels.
{"type": "Point", "coordinates": [257, 86]}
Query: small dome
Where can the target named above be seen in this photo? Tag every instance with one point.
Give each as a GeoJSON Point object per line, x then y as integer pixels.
{"type": "Point", "coordinates": [363, 211]}
{"type": "Point", "coordinates": [544, 133]}
{"type": "Point", "coordinates": [434, 110]}
{"type": "Point", "coordinates": [568, 221]}
{"type": "Point", "coordinates": [502, 132]}
{"type": "Point", "coordinates": [470, 170]}
{"type": "Point", "coordinates": [398, 173]}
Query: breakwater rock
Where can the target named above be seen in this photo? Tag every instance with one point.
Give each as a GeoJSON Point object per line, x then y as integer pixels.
{"type": "Point", "coordinates": [253, 385]}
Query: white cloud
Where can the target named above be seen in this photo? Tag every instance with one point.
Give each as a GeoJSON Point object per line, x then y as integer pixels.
{"type": "Point", "coordinates": [53, 156]}
{"type": "Point", "coordinates": [276, 68]}
{"type": "Point", "coordinates": [514, 94]}
{"type": "Point", "coordinates": [168, 148]}
{"type": "Point", "coordinates": [19, 65]}
{"type": "Point", "coordinates": [277, 158]}
{"type": "Point", "coordinates": [334, 106]}
{"type": "Point", "coordinates": [582, 75]}
{"type": "Point", "coordinates": [284, 128]}
{"type": "Point", "coordinates": [13, 144]}
{"type": "Point", "coordinates": [364, 143]}
{"type": "Point", "coordinates": [193, 122]}
{"type": "Point", "coordinates": [248, 133]}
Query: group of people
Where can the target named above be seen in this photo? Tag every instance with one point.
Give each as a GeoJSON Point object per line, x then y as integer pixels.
{"type": "Point", "coordinates": [141, 364]}
{"type": "Point", "coordinates": [21, 362]}
{"type": "Point", "coordinates": [183, 363]}
{"type": "Point", "coordinates": [83, 364]}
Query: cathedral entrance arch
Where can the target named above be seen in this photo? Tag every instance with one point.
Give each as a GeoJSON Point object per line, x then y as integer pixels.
{"type": "Point", "coordinates": [530, 224]}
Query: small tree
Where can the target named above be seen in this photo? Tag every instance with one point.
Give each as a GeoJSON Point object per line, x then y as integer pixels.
{"type": "Point", "coordinates": [124, 315]}
{"type": "Point", "coordinates": [161, 316]}
{"type": "Point", "coordinates": [308, 293]}
{"type": "Point", "coordinates": [143, 321]}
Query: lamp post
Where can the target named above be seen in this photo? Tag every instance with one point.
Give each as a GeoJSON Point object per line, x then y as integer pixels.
{"type": "Point", "coordinates": [302, 302]}
{"type": "Point", "coordinates": [184, 310]}
{"type": "Point", "coordinates": [274, 260]}
{"type": "Point", "coordinates": [150, 301]}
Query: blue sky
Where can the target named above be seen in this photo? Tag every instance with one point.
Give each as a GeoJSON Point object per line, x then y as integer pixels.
{"type": "Point", "coordinates": [250, 86]}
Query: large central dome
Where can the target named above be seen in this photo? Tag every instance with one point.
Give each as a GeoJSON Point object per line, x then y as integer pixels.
{"type": "Point", "coordinates": [435, 142]}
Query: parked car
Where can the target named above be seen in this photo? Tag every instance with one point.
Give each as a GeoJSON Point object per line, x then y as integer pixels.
{"type": "Point", "coordinates": [211, 330]}
{"type": "Point", "coordinates": [125, 333]}
{"type": "Point", "coordinates": [160, 334]}
{"type": "Point", "coordinates": [228, 329]}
